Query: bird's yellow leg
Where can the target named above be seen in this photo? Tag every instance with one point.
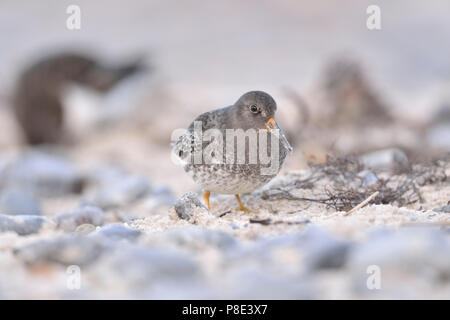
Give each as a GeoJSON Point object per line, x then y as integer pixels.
{"type": "Point", "coordinates": [241, 206]}
{"type": "Point", "coordinates": [206, 197]}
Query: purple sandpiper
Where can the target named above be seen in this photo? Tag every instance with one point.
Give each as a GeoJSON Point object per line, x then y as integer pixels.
{"type": "Point", "coordinates": [220, 169]}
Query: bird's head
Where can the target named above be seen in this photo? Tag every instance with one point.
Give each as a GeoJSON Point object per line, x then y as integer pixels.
{"type": "Point", "coordinates": [256, 109]}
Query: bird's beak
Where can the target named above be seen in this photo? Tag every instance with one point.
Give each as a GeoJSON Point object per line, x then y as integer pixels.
{"type": "Point", "coordinates": [271, 124]}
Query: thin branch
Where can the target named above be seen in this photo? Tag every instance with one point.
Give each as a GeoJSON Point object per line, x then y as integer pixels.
{"type": "Point", "coordinates": [362, 204]}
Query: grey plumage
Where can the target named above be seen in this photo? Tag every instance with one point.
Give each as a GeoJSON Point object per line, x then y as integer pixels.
{"type": "Point", "coordinates": [225, 177]}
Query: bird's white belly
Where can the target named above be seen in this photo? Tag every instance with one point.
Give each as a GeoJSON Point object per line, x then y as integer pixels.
{"type": "Point", "coordinates": [225, 181]}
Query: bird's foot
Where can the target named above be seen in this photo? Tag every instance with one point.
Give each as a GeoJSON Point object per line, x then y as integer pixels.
{"type": "Point", "coordinates": [245, 210]}
{"type": "Point", "coordinates": [206, 195]}
{"type": "Point", "coordinates": [241, 206]}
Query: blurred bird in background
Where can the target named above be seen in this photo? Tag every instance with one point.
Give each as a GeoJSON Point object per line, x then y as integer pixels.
{"type": "Point", "coordinates": [37, 100]}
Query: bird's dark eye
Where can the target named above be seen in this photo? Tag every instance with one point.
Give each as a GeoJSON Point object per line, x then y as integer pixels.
{"type": "Point", "coordinates": [254, 109]}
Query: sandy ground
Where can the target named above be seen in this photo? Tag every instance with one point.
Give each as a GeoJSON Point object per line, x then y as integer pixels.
{"type": "Point", "coordinates": [219, 268]}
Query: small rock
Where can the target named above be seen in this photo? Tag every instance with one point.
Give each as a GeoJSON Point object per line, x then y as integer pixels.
{"type": "Point", "coordinates": [151, 265]}
{"type": "Point", "coordinates": [194, 237]}
{"type": "Point", "coordinates": [187, 205]}
{"type": "Point", "coordinates": [118, 231]}
{"type": "Point", "coordinates": [306, 252]}
{"type": "Point", "coordinates": [445, 209]}
{"type": "Point", "coordinates": [67, 250]}
{"type": "Point", "coordinates": [134, 271]}
{"type": "Point", "coordinates": [414, 252]}
{"type": "Point", "coordinates": [85, 228]}
{"type": "Point", "coordinates": [387, 159]}
{"type": "Point", "coordinates": [42, 174]}
{"type": "Point", "coordinates": [18, 202]}
{"type": "Point", "coordinates": [233, 226]}
{"type": "Point", "coordinates": [69, 221]}
{"type": "Point", "coordinates": [322, 250]}
{"type": "Point", "coordinates": [369, 178]}
{"type": "Point", "coordinates": [22, 224]}
{"type": "Point", "coordinates": [117, 188]}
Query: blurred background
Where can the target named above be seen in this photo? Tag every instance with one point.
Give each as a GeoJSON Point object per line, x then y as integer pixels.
{"type": "Point", "coordinates": [118, 87]}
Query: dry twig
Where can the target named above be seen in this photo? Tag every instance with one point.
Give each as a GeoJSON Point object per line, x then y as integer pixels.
{"type": "Point", "coordinates": [362, 204]}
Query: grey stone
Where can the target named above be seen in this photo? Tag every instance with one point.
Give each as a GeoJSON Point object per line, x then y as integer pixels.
{"type": "Point", "coordinates": [233, 226]}
{"type": "Point", "coordinates": [322, 250]}
{"type": "Point", "coordinates": [42, 174]}
{"type": "Point", "coordinates": [66, 250]}
{"type": "Point", "coordinates": [369, 178]}
{"type": "Point", "coordinates": [118, 232]}
{"type": "Point", "coordinates": [445, 209]}
{"type": "Point", "coordinates": [18, 202]}
{"type": "Point", "coordinates": [386, 159]}
{"type": "Point", "coordinates": [85, 228]}
{"type": "Point", "coordinates": [186, 206]}
{"type": "Point", "coordinates": [116, 188]}
{"type": "Point", "coordinates": [263, 252]}
{"type": "Point", "coordinates": [141, 267]}
{"type": "Point", "coordinates": [22, 224]}
{"type": "Point", "coordinates": [415, 252]}
{"type": "Point", "coordinates": [308, 251]}
{"type": "Point", "coordinates": [69, 221]}
{"type": "Point", "coordinates": [194, 237]}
